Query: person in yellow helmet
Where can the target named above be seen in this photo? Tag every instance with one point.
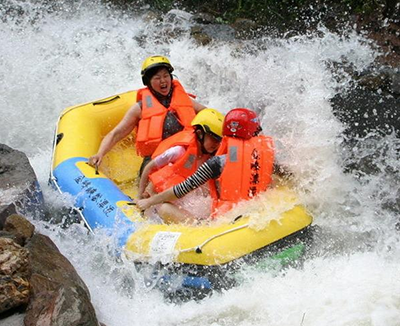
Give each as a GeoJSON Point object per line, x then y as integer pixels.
{"type": "Point", "coordinates": [179, 156]}
{"type": "Point", "coordinates": [162, 109]}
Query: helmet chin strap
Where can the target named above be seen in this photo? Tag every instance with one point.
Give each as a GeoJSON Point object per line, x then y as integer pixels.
{"type": "Point", "coordinates": [203, 149]}
{"type": "Point", "coordinates": [200, 137]}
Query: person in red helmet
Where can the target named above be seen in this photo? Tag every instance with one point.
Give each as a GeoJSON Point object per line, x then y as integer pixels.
{"type": "Point", "coordinates": [162, 109]}
{"type": "Point", "coordinates": [240, 170]}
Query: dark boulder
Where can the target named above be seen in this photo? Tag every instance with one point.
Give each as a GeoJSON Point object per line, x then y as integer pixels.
{"type": "Point", "coordinates": [20, 190]}
{"type": "Point", "coordinates": [33, 273]}
{"type": "Point", "coordinates": [58, 293]}
{"type": "Point", "coordinates": [372, 106]}
{"type": "Point", "coordinates": [20, 227]}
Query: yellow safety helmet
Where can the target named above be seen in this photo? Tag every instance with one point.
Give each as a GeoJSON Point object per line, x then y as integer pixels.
{"type": "Point", "coordinates": [155, 61]}
{"type": "Point", "coordinates": [211, 121]}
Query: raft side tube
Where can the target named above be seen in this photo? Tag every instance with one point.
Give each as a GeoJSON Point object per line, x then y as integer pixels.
{"type": "Point", "coordinates": [212, 245]}
{"type": "Point", "coordinates": [96, 197]}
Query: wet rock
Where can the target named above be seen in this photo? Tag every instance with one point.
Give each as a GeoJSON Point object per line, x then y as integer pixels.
{"type": "Point", "coordinates": [383, 79]}
{"type": "Point", "coordinates": [59, 296]}
{"type": "Point", "coordinates": [19, 187]}
{"type": "Point", "coordinates": [200, 36]}
{"type": "Point", "coordinates": [8, 235]}
{"type": "Point", "coordinates": [6, 211]}
{"type": "Point", "coordinates": [372, 105]}
{"type": "Point", "coordinates": [374, 81]}
{"type": "Point", "coordinates": [14, 259]}
{"type": "Point", "coordinates": [49, 262]}
{"type": "Point", "coordinates": [395, 83]}
{"type": "Point", "coordinates": [60, 306]}
{"type": "Point", "coordinates": [364, 110]}
{"type": "Point", "coordinates": [14, 292]}
{"type": "Point", "coordinates": [245, 28]}
{"type": "Point", "coordinates": [220, 32]}
{"type": "Point", "coordinates": [38, 275]}
{"type": "Point", "coordinates": [205, 34]}
{"type": "Point", "coordinates": [19, 226]}
{"type": "Point", "coordinates": [152, 16]}
{"type": "Point", "coordinates": [175, 23]}
{"type": "Point", "coordinates": [177, 17]}
{"type": "Point", "coordinates": [383, 27]}
{"type": "Point", "coordinates": [14, 275]}
{"type": "Point", "coordinates": [204, 18]}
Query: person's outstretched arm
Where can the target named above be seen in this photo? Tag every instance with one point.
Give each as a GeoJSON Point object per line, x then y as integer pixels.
{"type": "Point", "coordinates": [197, 106]}
{"type": "Point", "coordinates": [162, 197]}
{"type": "Point", "coordinates": [123, 129]}
{"type": "Point", "coordinates": [144, 178]}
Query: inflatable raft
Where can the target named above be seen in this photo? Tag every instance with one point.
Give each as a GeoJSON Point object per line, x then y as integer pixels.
{"type": "Point", "coordinates": [195, 257]}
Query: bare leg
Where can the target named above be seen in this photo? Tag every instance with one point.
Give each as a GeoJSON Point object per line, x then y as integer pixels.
{"type": "Point", "coordinates": [171, 213]}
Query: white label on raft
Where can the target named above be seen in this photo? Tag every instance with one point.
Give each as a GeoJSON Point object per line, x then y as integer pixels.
{"type": "Point", "coordinates": [163, 243]}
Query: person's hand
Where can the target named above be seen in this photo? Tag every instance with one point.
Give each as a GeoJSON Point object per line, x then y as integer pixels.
{"type": "Point", "coordinates": [95, 160]}
{"type": "Point", "coordinates": [143, 204]}
{"type": "Point", "coordinates": [143, 195]}
{"type": "Point", "coordinates": [147, 192]}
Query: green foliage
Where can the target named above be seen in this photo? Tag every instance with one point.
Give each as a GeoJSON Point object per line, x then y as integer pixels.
{"type": "Point", "coordinates": [363, 6]}
{"type": "Point", "coordinates": [163, 5]}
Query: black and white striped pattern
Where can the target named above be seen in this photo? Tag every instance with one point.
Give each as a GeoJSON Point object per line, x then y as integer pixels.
{"type": "Point", "coordinates": [200, 177]}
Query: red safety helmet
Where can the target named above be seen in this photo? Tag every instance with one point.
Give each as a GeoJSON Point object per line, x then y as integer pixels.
{"type": "Point", "coordinates": [241, 123]}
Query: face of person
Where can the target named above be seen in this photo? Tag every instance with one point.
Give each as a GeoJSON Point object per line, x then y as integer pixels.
{"type": "Point", "coordinates": [161, 82]}
{"type": "Point", "coordinates": [211, 143]}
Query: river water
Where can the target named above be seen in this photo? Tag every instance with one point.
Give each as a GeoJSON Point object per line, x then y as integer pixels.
{"type": "Point", "coordinates": [52, 58]}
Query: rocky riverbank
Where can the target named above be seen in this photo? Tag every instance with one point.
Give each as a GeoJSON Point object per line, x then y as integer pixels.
{"type": "Point", "coordinates": [37, 282]}
{"type": "Point", "coordinates": [227, 19]}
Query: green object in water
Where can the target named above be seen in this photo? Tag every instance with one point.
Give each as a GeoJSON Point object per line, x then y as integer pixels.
{"type": "Point", "coordinates": [272, 264]}
{"type": "Point", "coordinates": [283, 258]}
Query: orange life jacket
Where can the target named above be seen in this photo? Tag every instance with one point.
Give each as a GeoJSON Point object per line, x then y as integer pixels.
{"type": "Point", "coordinates": [247, 171]}
{"type": "Point", "coordinates": [151, 125]}
{"type": "Point", "coordinates": [172, 174]}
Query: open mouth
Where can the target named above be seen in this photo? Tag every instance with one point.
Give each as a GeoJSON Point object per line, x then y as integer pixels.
{"type": "Point", "coordinates": [164, 88]}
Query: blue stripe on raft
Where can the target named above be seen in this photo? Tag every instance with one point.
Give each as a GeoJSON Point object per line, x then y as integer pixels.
{"type": "Point", "coordinates": [196, 282]}
{"type": "Point", "coordinates": [188, 281]}
{"type": "Point", "coordinates": [124, 232]}
{"type": "Point", "coordinates": [96, 197]}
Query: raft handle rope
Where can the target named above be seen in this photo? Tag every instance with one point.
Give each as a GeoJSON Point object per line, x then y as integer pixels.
{"type": "Point", "coordinates": [237, 218]}
{"type": "Point", "coordinates": [59, 137]}
{"type": "Point", "coordinates": [106, 100]}
{"type": "Point", "coordinates": [96, 168]}
{"type": "Point", "coordinates": [198, 248]}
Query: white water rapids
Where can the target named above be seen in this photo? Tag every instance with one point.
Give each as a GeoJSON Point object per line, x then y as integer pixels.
{"type": "Point", "coordinates": [54, 59]}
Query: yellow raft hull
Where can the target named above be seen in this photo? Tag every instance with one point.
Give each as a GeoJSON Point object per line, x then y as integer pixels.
{"type": "Point", "coordinates": [106, 199]}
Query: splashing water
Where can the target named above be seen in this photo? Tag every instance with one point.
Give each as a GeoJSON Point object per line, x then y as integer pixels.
{"type": "Point", "coordinates": [67, 53]}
